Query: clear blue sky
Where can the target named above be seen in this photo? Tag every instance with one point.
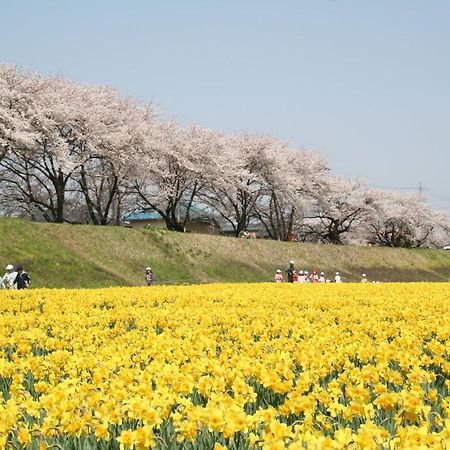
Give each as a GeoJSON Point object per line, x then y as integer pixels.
{"type": "Point", "coordinates": [365, 82]}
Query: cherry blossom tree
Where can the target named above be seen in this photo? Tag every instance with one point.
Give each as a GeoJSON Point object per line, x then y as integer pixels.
{"type": "Point", "coordinates": [17, 91]}
{"type": "Point", "coordinates": [36, 176]}
{"type": "Point", "coordinates": [291, 179]}
{"type": "Point", "coordinates": [244, 162]}
{"type": "Point", "coordinates": [118, 129]}
{"type": "Point", "coordinates": [74, 145]}
{"type": "Point", "coordinates": [338, 210]}
{"type": "Point", "coordinates": [173, 169]}
{"type": "Point", "coordinates": [405, 220]}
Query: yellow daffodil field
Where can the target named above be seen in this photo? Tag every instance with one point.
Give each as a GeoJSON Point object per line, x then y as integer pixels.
{"type": "Point", "coordinates": [237, 366]}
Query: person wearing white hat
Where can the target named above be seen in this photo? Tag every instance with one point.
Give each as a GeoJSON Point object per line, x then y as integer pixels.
{"type": "Point", "coordinates": [337, 278]}
{"type": "Point", "coordinates": [9, 277]}
{"type": "Point", "coordinates": [278, 276]}
{"type": "Point", "coordinates": [290, 272]}
{"type": "Point", "coordinates": [322, 277]}
{"type": "Point", "coordinates": [149, 276]}
{"type": "Point", "coordinates": [301, 277]}
{"type": "Point", "coordinates": [363, 278]}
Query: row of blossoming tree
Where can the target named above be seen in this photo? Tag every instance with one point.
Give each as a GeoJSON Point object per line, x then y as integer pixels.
{"type": "Point", "coordinates": [86, 154]}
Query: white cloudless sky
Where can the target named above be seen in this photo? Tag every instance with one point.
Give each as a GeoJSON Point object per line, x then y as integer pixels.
{"type": "Point", "coordinates": [367, 83]}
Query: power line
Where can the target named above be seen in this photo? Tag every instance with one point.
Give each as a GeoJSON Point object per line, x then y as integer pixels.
{"type": "Point", "coordinates": [415, 188]}
{"type": "Point", "coordinates": [431, 193]}
{"type": "Point", "coordinates": [418, 188]}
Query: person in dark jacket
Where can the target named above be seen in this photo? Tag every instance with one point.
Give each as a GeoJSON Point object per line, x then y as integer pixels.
{"type": "Point", "coordinates": [290, 272]}
{"type": "Point", "coordinates": [22, 280]}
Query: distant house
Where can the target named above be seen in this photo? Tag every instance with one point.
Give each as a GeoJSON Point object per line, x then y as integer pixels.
{"type": "Point", "coordinates": [199, 223]}
{"type": "Point", "coordinates": [144, 219]}
{"type": "Point", "coordinates": [202, 221]}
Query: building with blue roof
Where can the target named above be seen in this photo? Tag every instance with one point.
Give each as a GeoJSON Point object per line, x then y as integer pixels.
{"type": "Point", "coordinates": [199, 223]}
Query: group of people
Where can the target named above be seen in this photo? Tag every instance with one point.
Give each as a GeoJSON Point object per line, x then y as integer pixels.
{"type": "Point", "coordinates": [303, 276]}
{"type": "Point", "coordinates": [15, 278]}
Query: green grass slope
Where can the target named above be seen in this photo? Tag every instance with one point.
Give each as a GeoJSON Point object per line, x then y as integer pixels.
{"type": "Point", "coordinates": [89, 256]}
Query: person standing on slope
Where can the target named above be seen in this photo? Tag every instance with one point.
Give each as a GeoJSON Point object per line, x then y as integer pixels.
{"type": "Point", "coordinates": [149, 276]}
{"type": "Point", "coordinates": [9, 277]}
{"type": "Point", "coordinates": [22, 280]}
{"type": "Point", "coordinates": [301, 277]}
{"type": "Point", "coordinates": [314, 276]}
{"type": "Point", "coordinates": [278, 276]}
{"type": "Point", "coordinates": [290, 272]}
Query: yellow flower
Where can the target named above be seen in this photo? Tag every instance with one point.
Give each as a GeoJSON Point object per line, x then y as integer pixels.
{"type": "Point", "coordinates": [187, 431]}
{"type": "Point", "coordinates": [432, 395]}
{"type": "Point", "coordinates": [144, 437]}
{"type": "Point", "coordinates": [218, 446]}
{"type": "Point", "coordinates": [387, 401]}
{"type": "Point", "coordinates": [274, 445]}
{"type": "Point", "coordinates": [365, 439]}
{"type": "Point", "coordinates": [253, 438]}
{"type": "Point", "coordinates": [126, 439]}
{"type": "Point", "coordinates": [24, 436]}
{"type": "Point", "coordinates": [101, 431]}
{"type": "Point", "coordinates": [238, 421]}
{"type": "Point", "coordinates": [343, 436]}
{"type": "Point", "coordinates": [216, 420]}
{"type": "Point", "coordinates": [115, 417]}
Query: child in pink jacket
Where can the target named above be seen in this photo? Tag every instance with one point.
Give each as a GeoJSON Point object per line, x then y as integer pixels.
{"type": "Point", "coordinates": [278, 276]}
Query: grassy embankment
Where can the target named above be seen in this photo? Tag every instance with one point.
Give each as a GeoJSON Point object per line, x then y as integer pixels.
{"type": "Point", "coordinates": [88, 256]}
